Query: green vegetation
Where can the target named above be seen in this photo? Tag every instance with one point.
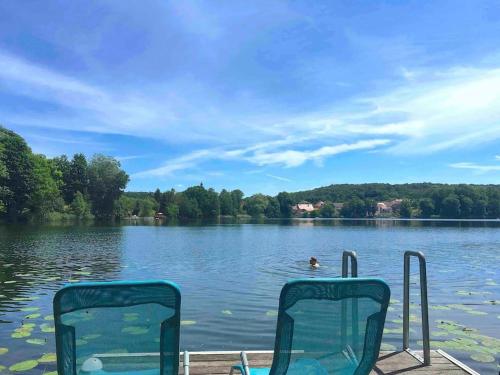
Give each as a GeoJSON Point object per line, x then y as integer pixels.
{"type": "Point", "coordinates": [33, 187]}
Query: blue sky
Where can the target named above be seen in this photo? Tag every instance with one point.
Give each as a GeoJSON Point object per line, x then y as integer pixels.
{"type": "Point", "coordinates": [263, 96]}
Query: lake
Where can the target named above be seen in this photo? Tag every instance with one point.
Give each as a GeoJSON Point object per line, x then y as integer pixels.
{"type": "Point", "coordinates": [231, 275]}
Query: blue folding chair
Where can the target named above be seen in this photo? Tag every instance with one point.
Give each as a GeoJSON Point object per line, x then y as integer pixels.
{"type": "Point", "coordinates": [327, 326]}
{"type": "Point", "coordinates": [111, 328]}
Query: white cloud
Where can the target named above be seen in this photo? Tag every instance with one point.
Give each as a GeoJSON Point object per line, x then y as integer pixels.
{"type": "Point", "coordinates": [476, 167]}
{"type": "Point", "coordinates": [293, 158]}
{"type": "Point", "coordinates": [278, 177]}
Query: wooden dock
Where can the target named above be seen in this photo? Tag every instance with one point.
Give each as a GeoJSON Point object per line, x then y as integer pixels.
{"type": "Point", "coordinates": [218, 363]}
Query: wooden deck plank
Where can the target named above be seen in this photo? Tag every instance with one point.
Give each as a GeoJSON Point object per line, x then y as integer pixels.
{"type": "Point", "coordinates": [389, 363]}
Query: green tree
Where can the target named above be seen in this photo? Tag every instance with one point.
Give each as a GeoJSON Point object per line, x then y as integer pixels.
{"type": "Point", "coordinates": [63, 166]}
{"type": "Point", "coordinates": [78, 176]}
{"type": "Point", "coordinates": [285, 202]}
{"type": "Point", "coordinates": [157, 195]}
{"type": "Point", "coordinates": [256, 205]}
{"type": "Point", "coordinates": [137, 208]}
{"type": "Point", "coordinates": [273, 208]}
{"type": "Point", "coordinates": [355, 207]}
{"type": "Point", "coordinates": [226, 203]}
{"type": "Point", "coordinates": [45, 197]}
{"type": "Point", "coordinates": [405, 209]}
{"type": "Point", "coordinates": [450, 207]}
{"type": "Point", "coordinates": [370, 207]}
{"type": "Point", "coordinates": [167, 199]}
{"type": "Point", "coordinates": [479, 209]}
{"type": "Point", "coordinates": [493, 208]}
{"type": "Point", "coordinates": [327, 211]}
{"type": "Point", "coordinates": [466, 206]}
{"type": "Point", "coordinates": [80, 207]}
{"type": "Point", "coordinates": [426, 206]}
{"type": "Point", "coordinates": [17, 180]}
{"type": "Point", "coordinates": [188, 207]}
{"type": "Point", "coordinates": [237, 196]}
{"type": "Point", "coordinates": [106, 184]}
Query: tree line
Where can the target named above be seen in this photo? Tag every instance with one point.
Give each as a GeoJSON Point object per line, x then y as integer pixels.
{"type": "Point", "coordinates": [33, 186]}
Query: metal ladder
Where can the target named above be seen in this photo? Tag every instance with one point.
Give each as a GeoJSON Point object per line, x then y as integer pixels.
{"type": "Point", "coordinates": [424, 305]}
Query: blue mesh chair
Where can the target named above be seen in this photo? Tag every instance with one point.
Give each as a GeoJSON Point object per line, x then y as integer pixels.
{"type": "Point", "coordinates": [327, 326]}
{"type": "Point", "coordinates": [111, 328]}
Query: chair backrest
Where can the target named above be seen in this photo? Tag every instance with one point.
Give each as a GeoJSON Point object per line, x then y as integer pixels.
{"type": "Point", "coordinates": [117, 328]}
{"type": "Point", "coordinates": [330, 326]}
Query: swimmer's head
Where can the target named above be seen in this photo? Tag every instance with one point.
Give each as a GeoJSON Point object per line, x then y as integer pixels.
{"type": "Point", "coordinates": [313, 261]}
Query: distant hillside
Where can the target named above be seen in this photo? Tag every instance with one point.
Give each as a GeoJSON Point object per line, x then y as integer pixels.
{"type": "Point", "coordinates": [383, 192]}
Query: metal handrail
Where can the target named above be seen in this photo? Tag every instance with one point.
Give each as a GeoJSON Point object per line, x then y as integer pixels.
{"type": "Point", "coordinates": [346, 255]}
{"type": "Point", "coordinates": [424, 304]}
{"type": "Point", "coordinates": [354, 263]}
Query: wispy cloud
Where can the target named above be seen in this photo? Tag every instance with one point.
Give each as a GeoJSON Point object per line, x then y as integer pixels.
{"type": "Point", "coordinates": [279, 177]}
{"type": "Point", "coordinates": [130, 157]}
{"type": "Point", "coordinates": [476, 167]}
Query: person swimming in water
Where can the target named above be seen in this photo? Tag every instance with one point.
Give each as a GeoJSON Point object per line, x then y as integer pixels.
{"type": "Point", "coordinates": [313, 262]}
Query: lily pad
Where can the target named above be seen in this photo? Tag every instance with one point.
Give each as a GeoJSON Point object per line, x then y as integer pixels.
{"type": "Point", "coordinates": [50, 373]}
{"type": "Point", "coordinates": [82, 273]}
{"type": "Point", "coordinates": [36, 341]}
{"type": "Point", "coordinates": [439, 307]}
{"type": "Point", "coordinates": [393, 330]}
{"type": "Point", "coordinates": [10, 282]}
{"type": "Point", "coordinates": [135, 330]}
{"type": "Point", "coordinates": [49, 317]}
{"type": "Point", "coordinates": [47, 328]}
{"type": "Point", "coordinates": [482, 357]}
{"type": "Point", "coordinates": [387, 347]}
{"type": "Point", "coordinates": [227, 312]}
{"type": "Point", "coordinates": [3, 350]}
{"type": "Point", "coordinates": [47, 358]}
{"type": "Point", "coordinates": [476, 312]}
{"type": "Point", "coordinates": [3, 368]}
{"type": "Point", "coordinates": [188, 322]}
{"type": "Point", "coordinates": [92, 336]}
{"type": "Point", "coordinates": [271, 313]}
{"type": "Point", "coordinates": [130, 317]}
{"type": "Point", "coordinates": [26, 309]}
{"type": "Point", "coordinates": [24, 366]}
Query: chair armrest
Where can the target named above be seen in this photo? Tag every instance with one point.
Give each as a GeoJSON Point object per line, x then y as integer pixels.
{"type": "Point", "coordinates": [185, 362]}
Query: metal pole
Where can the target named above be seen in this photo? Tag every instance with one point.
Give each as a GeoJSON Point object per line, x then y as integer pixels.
{"type": "Point", "coordinates": [354, 263]}
{"type": "Point", "coordinates": [186, 362]}
{"type": "Point", "coordinates": [424, 303]}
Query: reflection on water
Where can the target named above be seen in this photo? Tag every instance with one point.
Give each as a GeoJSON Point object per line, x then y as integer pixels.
{"type": "Point", "coordinates": [231, 275]}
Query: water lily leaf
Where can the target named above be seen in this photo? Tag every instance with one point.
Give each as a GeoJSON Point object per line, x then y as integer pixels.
{"type": "Point", "coordinates": [2, 368]}
{"type": "Point", "coordinates": [492, 302]}
{"type": "Point", "coordinates": [130, 317]}
{"type": "Point", "coordinates": [47, 328]}
{"type": "Point", "coordinates": [73, 280]}
{"type": "Point", "coordinates": [92, 336]}
{"type": "Point", "coordinates": [439, 333]}
{"type": "Point", "coordinates": [481, 357]}
{"type": "Point", "coordinates": [26, 309]}
{"type": "Point", "coordinates": [271, 313]}
{"type": "Point", "coordinates": [49, 317]}
{"type": "Point", "coordinates": [390, 308]}
{"type": "Point", "coordinates": [387, 347]}
{"type": "Point", "coordinates": [24, 366]}
{"type": "Point", "coordinates": [82, 273]}
{"type": "Point", "coordinates": [3, 350]}
{"type": "Point", "coordinates": [10, 282]}
{"type": "Point", "coordinates": [460, 307]}
{"type": "Point", "coordinates": [20, 334]}
{"type": "Point", "coordinates": [27, 326]}
{"type": "Point", "coordinates": [135, 330]}
{"type": "Point", "coordinates": [393, 330]}
{"type": "Point", "coordinates": [50, 373]}
{"type": "Point", "coordinates": [227, 312]}
{"type": "Point", "coordinates": [32, 316]}
{"type": "Point", "coordinates": [47, 358]}
{"type": "Point", "coordinates": [439, 307]}
{"type": "Point", "coordinates": [476, 312]}
{"type": "Point", "coordinates": [36, 341]}
{"type": "Point", "coordinates": [188, 322]}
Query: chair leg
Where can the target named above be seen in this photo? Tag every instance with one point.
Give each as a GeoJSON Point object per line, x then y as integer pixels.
{"type": "Point", "coordinates": [244, 362]}
{"type": "Point", "coordinates": [186, 362]}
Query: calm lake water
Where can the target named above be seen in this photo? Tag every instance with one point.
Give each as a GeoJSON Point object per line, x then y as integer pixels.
{"type": "Point", "coordinates": [231, 276]}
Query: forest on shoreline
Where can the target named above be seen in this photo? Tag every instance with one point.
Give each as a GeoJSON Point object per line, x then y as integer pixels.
{"type": "Point", "coordinates": [36, 188]}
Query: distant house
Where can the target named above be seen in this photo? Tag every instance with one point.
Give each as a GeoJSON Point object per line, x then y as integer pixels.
{"type": "Point", "coordinates": [303, 207]}
{"type": "Point", "coordinates": [319, 204]}
{"type": "Point", "coordinates": [388, 207]}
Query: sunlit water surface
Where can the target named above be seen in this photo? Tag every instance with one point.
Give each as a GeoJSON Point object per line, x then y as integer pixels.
{"type": "Point", "coordinates": [231, 275]}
